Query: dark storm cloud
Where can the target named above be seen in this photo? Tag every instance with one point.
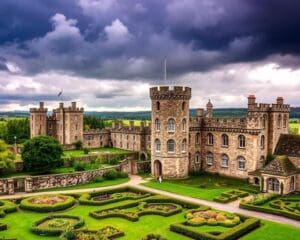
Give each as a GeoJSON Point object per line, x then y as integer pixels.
{"type": "Point", "coordinates": [129, 39]}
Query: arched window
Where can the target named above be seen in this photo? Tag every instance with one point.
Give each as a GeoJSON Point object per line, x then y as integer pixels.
{"type": "Point", "coordinates": [242, 141]}
{"type": "Point", "coordinates": [197, 140]}
{"type": "Point", "coordinates": [197, 157]}
{"type": "Point", "coordinates": [273, 185]}
{"type": "Point", "coordinates": [184, 125]}
{"type": "Point", "coordinates": [264, 121]}
{"type": "Point", "coordinates": [157, 106]}
{"type": "Point", "coordinates": [262, 141]}
{"type": "Point", "coordinates": [157, 145]}
{"type": "Point", "coordinates": [183, 145]}
{"type": "Point", "coordinates": [225, 140]}
{"type": "Point", "coordinates": [241, 163]}
{"type": "Point", "coordinates": [285, 122]}
{"type": "Point", "coordinates": [171, 146]}
{"type": "Point", "coordinates": [183, 106]}
{"type": "Point", "coordinates": [209, 158]}
{"type": "Point", "coordinates": [224, 160]}
{"type": "Point", "coordinates": [210, 139]}
{"type": "Point", "coordinates": [171, 125]}
{"type": "Point", "coordinates": [279, 121]}
{"type": "Point", "coordinates": [157, 125]}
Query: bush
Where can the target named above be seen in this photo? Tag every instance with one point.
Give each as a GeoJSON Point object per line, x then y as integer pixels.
{"type": "Point", "coordinates": [7, 206]}
{"type": "Point", "coordinates": [110, 174]}
{"type": "Point", "coordinates": [79, 166]}
{"type": "Point", "coordinates": [3, 226]}
{"type": "Point", "coordinates": [122, 174]}
{"type": "Point", "coordinates": [152, 236]}
{"type": "Point", "coordinates": [78, 144]}
{"type": "Point", "coordinates": [86, 151]}
{"type": "Point", "coordinates": [98, 179]}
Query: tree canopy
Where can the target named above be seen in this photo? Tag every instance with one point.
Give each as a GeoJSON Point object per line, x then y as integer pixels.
{"type": "Point", "coordinates": [6, 158]}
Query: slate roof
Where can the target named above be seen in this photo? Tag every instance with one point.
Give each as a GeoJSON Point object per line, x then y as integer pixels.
{"type": "Point", "coordinates": [281, 166]}
{"type": "Point", "coordinates": [288, 145]}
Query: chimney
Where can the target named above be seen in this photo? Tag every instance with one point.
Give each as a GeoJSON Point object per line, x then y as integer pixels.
{"type": "Point", "coordinates": [120, 124]}
{"type": "Point", "coordinates": [251, 99]}
{"type": "Point", "coordinates": [73, 105]}
{"type": "Point", "coordinates": [142, 126]}
{"type": "Point", "coordinates": [61, 105]}
{"type": "Point", "coordinates": [280, 100]}
{"type": "Point", "coordinates": [114, 124]}
{"type": "Point", "coordinates": [199, 112]}
{"type": "Point", "coordinates": [41, 105]}
{"type": "Point", "coordinates": [131, 124]}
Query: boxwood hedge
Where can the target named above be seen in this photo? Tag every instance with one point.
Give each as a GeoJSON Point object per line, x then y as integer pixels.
{"type": "Point", "coordinates": [7, 206]}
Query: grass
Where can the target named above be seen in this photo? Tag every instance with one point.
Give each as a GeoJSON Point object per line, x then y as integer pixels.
{"type": "Point", "coordinates": [103, 150]}
{"type": "Point", "coordinates": [203, 187]}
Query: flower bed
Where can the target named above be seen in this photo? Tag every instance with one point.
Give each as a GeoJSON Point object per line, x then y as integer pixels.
{"type": "Point", "coordinates": [47, 203]}
{"type": "Point", "coordinates": [7, 207]}
{"type": "Point", "coordinates": [230, 196]}
{"type": "Point", "coordinates": [56, 224]}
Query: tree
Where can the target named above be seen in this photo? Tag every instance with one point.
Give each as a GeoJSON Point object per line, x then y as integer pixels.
{"type": "Point", "coordinates": [92, 122]}
{"type": "Point", "coordinates": [6, 158]}
{"type": "Point", "coordinates": [41, 154]}
{"type": "Point", "coordinates": [17, 127]}
{"type": "Point", "coordinates": [78, 144]}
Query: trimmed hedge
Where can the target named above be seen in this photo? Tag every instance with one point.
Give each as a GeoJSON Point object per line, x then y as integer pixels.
{"type": "Point", "coordinates": [3, 226]}
{"type": "Point", "coordinates": [52, 231]}
{"type": "Point", "coordinates": [230, 196]}
{"type": "Point", "coordinates": [246, 226]}
{"type": "Point", "coordinates": [7, 206]}
{"type": "Point", "coordinates": [152, 236]}
{"type": "Point", "coordinates": [27, 205]}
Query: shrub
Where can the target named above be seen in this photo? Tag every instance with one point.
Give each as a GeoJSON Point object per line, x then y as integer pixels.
{"type": "Point", "coordinates": [110, 174]}
{"type": "Point", "coordinates": [3, 226]}
{"type": "Point", "coordinates": [78, 144]}
{"type": "Point", "coordinates": [86, 151]}
{"type": "Point", "coordinates": [122, 174]}
{"type": "Point", "coordinates": [79, 166]}
{"type": "Point", "coordinates": [152, 236]}
{"type": "Point", "coordinates": [98, 179]}
{"type": "Point", "coordinates": [7, 206]}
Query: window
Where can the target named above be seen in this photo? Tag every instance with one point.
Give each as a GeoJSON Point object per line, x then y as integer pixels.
{"type": "Point", "coordinates": [183, 145]}
{"type": "Point", "coordinates": [183, 106]}
{"type": "Point", "coordinates": [284, 124]}
{"type": "Point", "coordinates": [262, 141]}
{"type": "Point", "coordinates": [242, 141]}
{"type": "Point", "coordinates": [264, 123]}
{"type": "Point", "coordinates": [209, 158]}
{"type": "Point", "coordinates": [197, 138]}
{"type": "Point", "coordinates": [225, 140]}
{"type": "Point", "coordinates": [157, 125]}
{"type": "Point", "coordinates": [210, 139]}
{"type": "Point", "coordinates": [171, 125]}
{"type": "Point", "coordinates": [157, 106]}
{"type": "Point", "coordinates": [224, 160]}
{"type": "Point", "coordinates": [279, 121]}
{"type": "Point", "coordinates": [171, 146]}
{"type": "Point", "coordinates": [241, 163]}
{"type": "Point", "coordinates": [184, 125]}
{"type": "Point", "coordinates": [197, 157]}
{"type": "Point", "coordinates": [273, 185]}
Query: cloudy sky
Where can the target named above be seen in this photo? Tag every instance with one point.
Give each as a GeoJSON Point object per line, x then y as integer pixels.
{"type": "Point", "coordinates": [105, 54]}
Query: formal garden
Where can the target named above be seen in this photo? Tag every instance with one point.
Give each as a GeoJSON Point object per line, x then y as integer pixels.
{"type": "Point", "coordinates": [136, 214]}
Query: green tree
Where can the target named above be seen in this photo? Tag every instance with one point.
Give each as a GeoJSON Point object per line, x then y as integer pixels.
{"type": "Point", "coordinates": [6, 158]}
{"type": "Point", "coordinates": [18, 127]}
{"type": "Point", "coordinates": [78, 144]}
{"type": "Point", "coordinates": [41, 154]}
{"type": "Point", "coordinates": [92, 122]}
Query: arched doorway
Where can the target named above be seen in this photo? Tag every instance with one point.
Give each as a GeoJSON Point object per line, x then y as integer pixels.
{"type": "Point", "coordinates": [256, 181]}
{"type": "Point", "coordinates": [157, 168]}
{"type": "Point", "coordinates": [273, 185]}
{"type": "Point", "coordinates": [143, 156]}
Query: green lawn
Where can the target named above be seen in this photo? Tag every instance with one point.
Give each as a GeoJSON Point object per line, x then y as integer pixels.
{"type": "Point", "coordinates": [103, 150]}
{"type": "Point", "coordinates": [203, 187]}
{"type": "Point", "coordinates": [294, 128]}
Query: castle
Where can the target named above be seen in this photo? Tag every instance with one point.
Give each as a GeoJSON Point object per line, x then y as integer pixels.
{"type": "Point", "coordinates": [179, 144]}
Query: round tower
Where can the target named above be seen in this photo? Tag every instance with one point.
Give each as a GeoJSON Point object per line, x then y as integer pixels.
{"type": "Point", "coordinates": [170, 131]}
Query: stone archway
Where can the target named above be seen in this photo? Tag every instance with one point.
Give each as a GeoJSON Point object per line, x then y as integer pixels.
{"type": "Point", "coordinates": [143, 156]}
{"type": "Point", "coordinates": [157, 168]}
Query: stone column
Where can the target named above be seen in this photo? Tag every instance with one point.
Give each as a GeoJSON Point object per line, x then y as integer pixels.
{"type": "Point", "coordinates": [10, 187]}
{"type": "Point", "coordinates": [28, 185]}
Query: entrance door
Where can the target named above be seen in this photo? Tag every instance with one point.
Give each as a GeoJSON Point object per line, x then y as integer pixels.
{"type": "Point", "coordinates": [157, 168]}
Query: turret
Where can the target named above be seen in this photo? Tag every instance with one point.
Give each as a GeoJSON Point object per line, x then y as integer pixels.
{"type": "Point", "coordinates": [209, 109]}
{"type": "Point", "coordinates": [38, 120]}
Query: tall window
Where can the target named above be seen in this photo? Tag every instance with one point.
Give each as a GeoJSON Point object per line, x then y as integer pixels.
{"type": "Point", "coordinates": [157, 145]}
{"type": "Point", "coordinates": [210, 139]}
{"type": "Point", "coordinates": [225, 140]}
{"type": "Point", "coordinates": [242, 141]}
{"type": "Point", "coordinates": [284, 124]}
{"type": "Point", "coordinates": [279, 121]}
{"type": "Point", "coordinates": [157, 124]}
{"type": "Point", "coordinates": [197, 138]}
{"type": "Point", "coordinates": [157, 106]}
{"type": "Point", "coordinates": [197, 157]}
{"type": "Point", "coordinates": [224, 160]}
{"type": "Point", "coordinates": [171, 125]}
{"type": "Point", "coordinates": [171, 146]}
{"type": "Point", "coordinates": [264, 123]}
{"type": "Point", "coordinates": [262, 141]}
{"type": "Point", "coordinates": [184, 125]}
{"type": "Point", "coordinates": [273, 185]}
{"type": "Point", "coordinates": [241, 163]}
{"type": "Point", "coordinates": [183, 106]}
{"type": "Point", "coordinates": [209, 158]}
{"type": "Point", "coordinates": [183, 145]}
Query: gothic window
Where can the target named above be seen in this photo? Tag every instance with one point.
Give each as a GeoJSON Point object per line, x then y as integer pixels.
{"type": "Point", "coordinates": [183, 106]}
{"type": "Point", "coordinates": [241, 163]}
{"type": "Point", "coordinates": [273, 185]}
{"type": "Point", "coordinates": [171, 146]}
{"type": "Point", "coordinates": [209, 158]}
{"type": "Point", "coordinates": [242, 141]}
{"type": "Point", "coordinates": [197, 157]}
{"type": "Point", "coordinates": [183, 145]}
{"type": "Point", "coordinates": [157, 145]}
{"type": "Point", "coordinates": [171, 125]}
{"type": "Point", "coordinates": [184, 125]}
{"type": "Point", "coordinates": [157, 106]}
{"type": "Point", "coordinates": [210, 139]}
{"type": "Point", "coordinates": [224, 160]}
{"type": "Point", "coordinates": [225, 140]}
{"type": "Point", "coordinates": [197, 138]}
{"type": "Point", "coordinates": [157, 124]}
{"type": "Point", "coordinates": [262, 141]}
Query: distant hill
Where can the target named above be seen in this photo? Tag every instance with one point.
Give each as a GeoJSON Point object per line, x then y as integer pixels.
{"type": "Point", "coordinates": [145, 115]}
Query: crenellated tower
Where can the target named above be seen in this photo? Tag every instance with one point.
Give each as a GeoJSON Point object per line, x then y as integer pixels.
{"type": "Point", "coordinates": [38, 120]}
{"type": "Point", "coordinates": [170, 131]}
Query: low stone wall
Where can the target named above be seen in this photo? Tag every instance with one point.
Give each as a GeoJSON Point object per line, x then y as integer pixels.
{"type": "Point", "coordinates": [34, 183]}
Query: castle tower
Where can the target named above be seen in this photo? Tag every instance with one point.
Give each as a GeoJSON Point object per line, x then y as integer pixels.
{"type": "Point", "coordinates": [170, 131]}
{"type": "Point", "coordinates": [38, 121]}
{"type": "Point", "coordinates": [209, 109]}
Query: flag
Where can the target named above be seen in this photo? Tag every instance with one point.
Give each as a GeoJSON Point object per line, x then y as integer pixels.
{"type": "Point", "coordinates": [60, 93]}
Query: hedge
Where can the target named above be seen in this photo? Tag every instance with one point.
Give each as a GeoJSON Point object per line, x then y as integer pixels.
{"type": "Point", "coordinates": [3, 226]}
{"type": "Point", "coordinates": [54, 232]}
{"type": "Point", "coordinates": [7, 206]}
{"type": "Point", "coordinates": [235, 232]}
{"type": "Point", "coordinates": [230, 196]}
{"type": "Point", "coordinates": [27, 205]}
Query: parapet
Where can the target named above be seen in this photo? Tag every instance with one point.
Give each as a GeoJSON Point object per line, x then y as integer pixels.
{"type": "Point", "coordinates": [40, 109]}
{"type": "Point", "coordinates": [170, 93]}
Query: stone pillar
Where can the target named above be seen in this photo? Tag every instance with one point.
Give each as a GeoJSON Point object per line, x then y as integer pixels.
{"type": "Point", "coordinates": [10, 187]}
{"type": "Point", "coordinates": [28, 185]}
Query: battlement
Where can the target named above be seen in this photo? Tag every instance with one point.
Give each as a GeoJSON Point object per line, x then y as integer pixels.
{"type": "Point", "coordinates": [72, 108]}
{"type": "Point", "coordinates": [170, 93]}
{"type": "Point", "coordinates": [280, 107]}
{"type": "Point", "coordinates": [225, 122]}
{"type": "Point", "coordinates": [40, 109]}
{"type": "Point", "coordinates": [264, 107]}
